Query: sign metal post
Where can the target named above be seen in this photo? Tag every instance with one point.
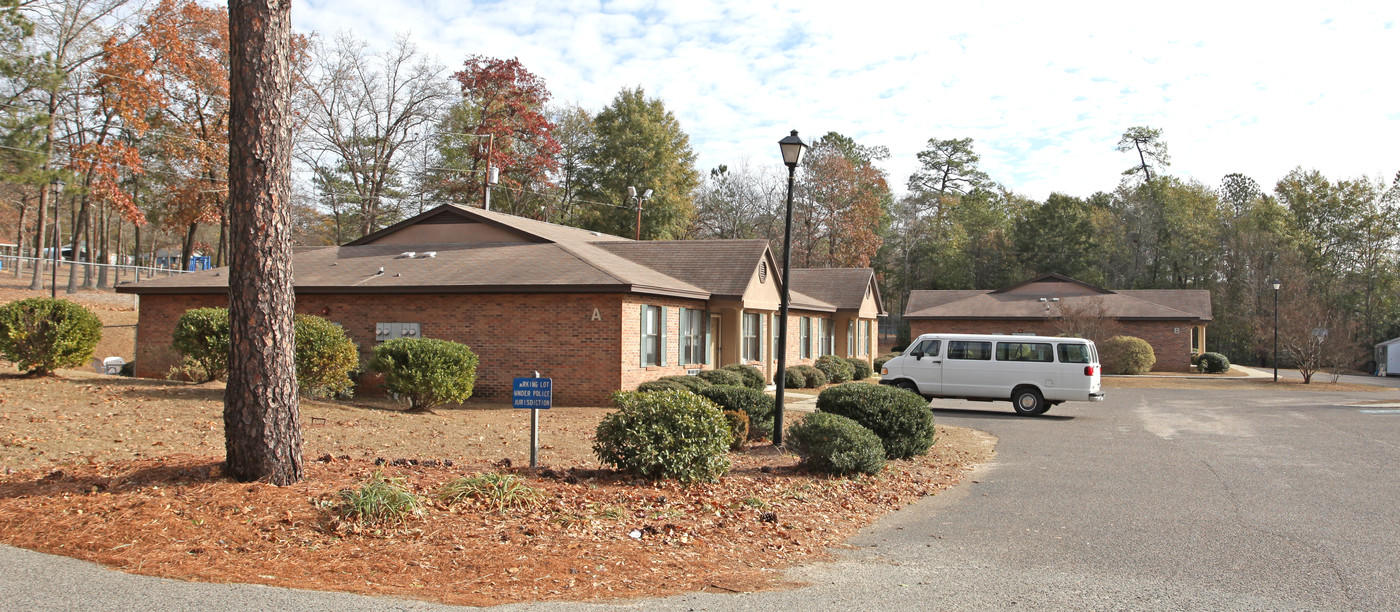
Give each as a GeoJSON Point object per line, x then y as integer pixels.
{"type": "Point", "coordinates": [536, 394]}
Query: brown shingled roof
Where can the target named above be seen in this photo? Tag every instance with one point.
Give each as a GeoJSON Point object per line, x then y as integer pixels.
{"type": "Point", "coordinates": [722, 267]}
{"type": "Point", "coordinates": [842, 287]}
{"type": "Point", "coordinates": [1168, 304]}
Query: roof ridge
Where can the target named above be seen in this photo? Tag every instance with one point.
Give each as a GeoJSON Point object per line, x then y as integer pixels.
{"type": "Point", "coordinates": [1160, 305]}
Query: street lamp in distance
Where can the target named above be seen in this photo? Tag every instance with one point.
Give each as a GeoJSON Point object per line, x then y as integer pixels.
{"type": "Point", "coordinates": [1276, 285]}
{"type": "Point", "coordinates": [57, 250]}
{"type": "Point", "coordinates": [793, 148]}
{"type": "Point", "coordinates": [632, 195]}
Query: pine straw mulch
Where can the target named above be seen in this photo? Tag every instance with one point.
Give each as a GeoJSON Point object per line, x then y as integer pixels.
{"type": "Point", "coordinates": [597, 535]}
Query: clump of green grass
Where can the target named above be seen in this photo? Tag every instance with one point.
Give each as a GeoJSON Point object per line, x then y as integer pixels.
{"type": "Point", "coordinates": [379, 501]}
{"type": "Point", "coordinates": [499, 492]}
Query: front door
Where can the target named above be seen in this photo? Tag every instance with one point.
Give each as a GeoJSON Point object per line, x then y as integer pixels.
{"type": "Point", "coordinates": [712, 344]}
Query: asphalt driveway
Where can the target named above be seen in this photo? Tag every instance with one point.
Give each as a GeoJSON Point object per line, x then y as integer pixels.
{"type": "Point", "coordinates": [1156, 499]}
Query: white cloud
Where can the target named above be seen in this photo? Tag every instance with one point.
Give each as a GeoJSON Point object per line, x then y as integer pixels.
{"type": "Point", "coordinates": [1045, 89]}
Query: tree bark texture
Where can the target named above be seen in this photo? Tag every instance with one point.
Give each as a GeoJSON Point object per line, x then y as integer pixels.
{"type": "Point", "coordinates": [262, 420]}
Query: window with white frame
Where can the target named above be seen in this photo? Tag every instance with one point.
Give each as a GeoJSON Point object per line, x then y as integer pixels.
{"type": "Point", "coordinates": [850, 338]}
{"type": "Point", "coordinates": [806, 328]}
{"type": "Point", "coordinates": [776, 328]}
{"type": "Point", "coordinates": [653, 336]}
{"type": "Point", "coordinates": [828, 328]}
{"type": "Point", "coordinates": [865, 337]}
{"type": "Point", "coordinates": [751, 336]}
{"type": "Point", "coordinates": [692, 323]}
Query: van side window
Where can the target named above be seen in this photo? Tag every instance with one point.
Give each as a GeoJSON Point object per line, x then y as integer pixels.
{"type": "Point", "coordinates": [1074, 353]}
{"type": "Point", "coordinates": [965, 349]}
{"type": "Point", "coordinates": [928, 347]}
{"type": "Point", "coordinates": [1039, 352]}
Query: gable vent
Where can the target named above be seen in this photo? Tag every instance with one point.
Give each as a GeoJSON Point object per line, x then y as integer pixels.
{"type": "Point", "coordinates": [447, 219]}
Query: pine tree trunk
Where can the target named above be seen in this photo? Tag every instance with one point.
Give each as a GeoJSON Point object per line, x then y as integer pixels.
{"type": "Point", "coordinates": [19, 236]}
{"type": "Point", "coordinates": [262, 421]}
{"type": "Point", "coordinates": [37, 282]}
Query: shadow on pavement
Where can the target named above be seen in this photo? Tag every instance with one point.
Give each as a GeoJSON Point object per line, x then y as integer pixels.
{"type": "Point", "coordinates": [997, 414]}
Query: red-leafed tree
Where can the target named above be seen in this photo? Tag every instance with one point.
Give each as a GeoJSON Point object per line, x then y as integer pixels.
{"type": "Point", "coordinates": [169, 82]}
{"type": "Point", "coordinates": [500, 122]}
{"type": "Point", "coordinates": [842, 203]}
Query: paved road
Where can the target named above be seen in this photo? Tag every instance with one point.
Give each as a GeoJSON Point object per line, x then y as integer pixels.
{"type": "Point", "coordinates": [1153, 500]}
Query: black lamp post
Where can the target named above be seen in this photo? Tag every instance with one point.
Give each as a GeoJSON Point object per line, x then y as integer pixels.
{"type": "Point", "coordinates": [57, 256]}
{"type": "Point", "coordinates": [1276, 285]}
{"type": "Point", "coordinates": [793, 148]}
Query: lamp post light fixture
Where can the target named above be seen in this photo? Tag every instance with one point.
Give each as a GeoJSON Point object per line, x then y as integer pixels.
{"type": "Point", "coordinates": [793, 149]}
{"type": "Point", "coordinates": [1276, 286]}
{"type": "Point", "coordinates": [57, 253]}
{"type": "Point", "coordinates": [632, 195]}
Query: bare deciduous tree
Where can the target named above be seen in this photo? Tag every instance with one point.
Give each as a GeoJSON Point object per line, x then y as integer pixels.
{"type": "Point", "coordinates": [364, 108]}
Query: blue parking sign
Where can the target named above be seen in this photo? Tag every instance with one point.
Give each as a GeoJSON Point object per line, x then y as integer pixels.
{"type": "Point", "coordinates": [532, 393]}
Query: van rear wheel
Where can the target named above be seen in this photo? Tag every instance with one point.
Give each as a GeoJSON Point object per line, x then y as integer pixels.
{"type": "Point", "coordinates": [1028, 402]}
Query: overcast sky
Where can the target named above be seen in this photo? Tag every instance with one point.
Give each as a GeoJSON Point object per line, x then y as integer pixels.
{"type": "Point", "coordinates": [1044, 88]}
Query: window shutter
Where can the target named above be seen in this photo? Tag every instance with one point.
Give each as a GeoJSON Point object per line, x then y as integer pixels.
{"type": "Point", "coordinates": [642, 346]}
{"type": "Point", "coordinates": [758, 333]}
{"type": "Point", "coordinates": [661, 336]}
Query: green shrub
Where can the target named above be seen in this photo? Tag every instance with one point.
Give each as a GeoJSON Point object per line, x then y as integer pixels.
{"type": "Point", "coordinates": [666, 434]}
{"type": "Point", "coordinates": [41, 335]}
{"type": "Point", "coordinates": [1195, 359]}
{"type": "Point", "coordinates": [661, 385]}
{"type": "Point", "coordinates": [794, 377]}
{"type": "Point", "coordinates": [324, 357]}
{"type": "Point", "coordinates": [900, 418]}
{"type": "Point", "coordinates": [427, 371]}
{"type": "Point", "coordinates": [835, 368]}
{"type": "Point", "coordinates": [1126, 355]}
{"type": "Point", "coordinates": [1214, 363]}
{"type": "Point", "coordinates": [738, 428]}
{"type": "Point", "coordinates": [720, 377]}
{"type": "Point", "coordinates": [692, 383]}
{"type": "Point", "coordinates": [860, 368]}
{"type": "Point", "coordinates": [815, 378]}
{"type": "Point", "coordinates": [882, 360]}
{"type": "Point", "coordinates": [836, 445]}
{"type": "Point", "coordinates": [756, 404]}
{"type": "Point", "coordinates": [753, 377]}
{"type": "Point", "coordinates": [498, 492]}
{"type": "Point", "coordinates": [202, 337]}
{"type": "Point", "coordinates": [379, 501]}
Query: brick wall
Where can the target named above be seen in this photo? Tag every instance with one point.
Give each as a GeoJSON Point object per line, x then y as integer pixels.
{"type": "Point", "coordinates": [1170, 340]}
{"type": "Point", "coordinates": [512, 334]}
{"type": "Point", "coordinates": [629, 353]}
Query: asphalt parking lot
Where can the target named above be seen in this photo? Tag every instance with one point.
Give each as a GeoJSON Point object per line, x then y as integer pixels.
{"type": "Point", "coordinates": [1156, 499]}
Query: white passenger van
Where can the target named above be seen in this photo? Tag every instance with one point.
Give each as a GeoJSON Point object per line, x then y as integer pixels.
{"type": "Point", "coordinates": [1033, 372]}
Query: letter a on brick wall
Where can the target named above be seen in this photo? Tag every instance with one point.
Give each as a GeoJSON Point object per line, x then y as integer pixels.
{"type": "Point", "coordinates": [597, 316]}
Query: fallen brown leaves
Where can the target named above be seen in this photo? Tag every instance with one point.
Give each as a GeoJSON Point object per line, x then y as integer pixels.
{"type": "Point", "coordinates": [598, 535]}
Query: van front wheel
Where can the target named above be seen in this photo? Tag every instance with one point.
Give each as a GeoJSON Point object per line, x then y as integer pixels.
{"type": "Point", "coordinates": [1028, 402]}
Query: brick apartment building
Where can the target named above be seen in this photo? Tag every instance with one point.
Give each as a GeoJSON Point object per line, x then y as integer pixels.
{"type": "Point", "coordinates": [1173, 321]}
{"type": "Point", "coordinates": [595, 312]}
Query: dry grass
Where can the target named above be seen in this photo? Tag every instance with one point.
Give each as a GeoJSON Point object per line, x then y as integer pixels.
{"type": "Point", "coordinates": [127, 473]}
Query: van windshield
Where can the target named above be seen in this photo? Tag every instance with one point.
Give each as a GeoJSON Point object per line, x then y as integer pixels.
{"type": "Point", "coordinates": [1075, 353]}
{"type": "Point", "coordinates": [929, 348]}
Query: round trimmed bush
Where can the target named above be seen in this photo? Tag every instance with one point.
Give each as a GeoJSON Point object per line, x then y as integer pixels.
{"type": "Point", "coordinates": [427, 371]}
{"type": "Point", "coordinates": [720, 377]}
{"type": "Point", "coordinates": [794, 377]}
{"type": "Point", "coordinates": [1195, 360]}
{"type": "Point", "coordinates": [753, 377]}
{"type": "Point", "coordinates": [738, 428]}
{"type": "Point", "coordinates": [201, 336]}
{"type": "Point", "coordinates": [815, 378]}
{"type": "Point", "coordinates": [41, 335]}
{"type": "Point", "coordinates": [836, 445]}
{"type": "Point", "coordinates": [692, 383]}
{"type": "Point", "coordinates": [1127, 355]}
{"type": "Point", "coordinates": [900, 418]}
{"type": "Point", "coordinates": [667, 434]}
{"type": "Point", "coordinates": [860, 368]}
{"type": "Point", "coordinates": [661, 385]}
{"type": "Point", "coordinates": [757, 404]}
{"type": "Point", "coordinates": [324, 357]}
{"type": "Point", "coordinates": [835, 368]}
{"type": "Point", "coordinates": [882, 360]}
{"type": "Point", "coordinates": [1214, 363]}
